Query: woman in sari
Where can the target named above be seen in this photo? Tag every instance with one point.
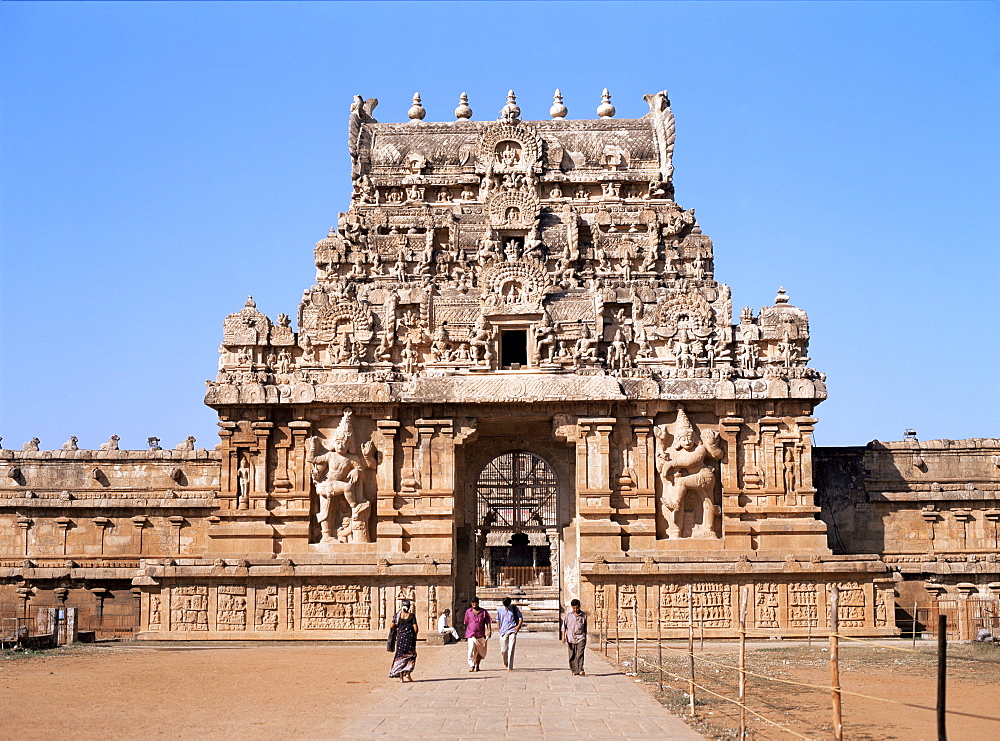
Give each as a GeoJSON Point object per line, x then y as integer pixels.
{"type": "Point", "coordinates": [405, 659]}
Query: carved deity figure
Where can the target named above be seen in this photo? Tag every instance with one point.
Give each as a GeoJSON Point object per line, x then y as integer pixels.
{"type": "Point", "coordinates": [339, 471]}
{"type": "Point", "coordinates": [441, 345]}
{"type": "Point", "coordinates": [481, 342]}
{"type": "Point", "coordinates": [586, 346]}
{"type": "Point", "coordinates": [545, 339]}
{"type": "Point", "coordinates": [243, 483]}
{"type": "Point", "coordinates": [687, 468]}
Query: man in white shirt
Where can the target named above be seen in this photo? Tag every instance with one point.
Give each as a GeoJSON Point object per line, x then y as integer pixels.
{"type": "Point", "coordinates": [444, 625]}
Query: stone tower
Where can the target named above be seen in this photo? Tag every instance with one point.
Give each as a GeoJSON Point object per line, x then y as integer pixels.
{"type": "Point", "coordinates": [516, 369]}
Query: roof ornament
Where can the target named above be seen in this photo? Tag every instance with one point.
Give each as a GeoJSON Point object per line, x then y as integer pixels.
{"type": "Point", "coordinates": [782, 297]}
{"type": "Point", "coordinates": [463, 112]}
{"type": "Point", "coordinates": [416, 112]}
{"type": "Point", "coordinates": [510, 113]}
{"type": "Point", "coordinates": [605, 109]}
{"type": "Point", "coordinates": [558, 110]}
{"type": "Point", "coordinates": [250, 304]}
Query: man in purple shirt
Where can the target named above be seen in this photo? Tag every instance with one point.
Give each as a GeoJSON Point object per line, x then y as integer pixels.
{"type": "Point", "coordinates": [575, 636]}
{"type": "Point", "coordinates": [478, 630]}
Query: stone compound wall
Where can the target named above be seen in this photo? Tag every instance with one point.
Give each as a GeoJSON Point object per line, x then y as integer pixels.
{"type": "Point", "coordinates": [76, 524]}
{"type": "Point", "coordinates": [931, 508]}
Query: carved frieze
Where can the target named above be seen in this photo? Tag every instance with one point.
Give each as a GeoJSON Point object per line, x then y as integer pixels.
{"type": "Point", "coordinates": [340, 607]}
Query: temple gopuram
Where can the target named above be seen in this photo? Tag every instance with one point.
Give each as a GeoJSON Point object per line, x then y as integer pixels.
{"type": "Point", "coordinates": [515, 373]}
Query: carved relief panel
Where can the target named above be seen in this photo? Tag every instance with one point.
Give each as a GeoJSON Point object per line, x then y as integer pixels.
{"type": "Point", "coordinates": [708, 606]}
{"type": "Point", "coordinates": [687, 470]}
{"type": "Point", "coordinates": [343, 473]}
{"type": "Point", "coordinates": [341, 607]}
{"type": "Point", "coordinates": [189, 608]}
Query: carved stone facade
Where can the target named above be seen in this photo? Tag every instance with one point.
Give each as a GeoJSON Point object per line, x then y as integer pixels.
{"type": "Point", "coordinates": [515, 363]}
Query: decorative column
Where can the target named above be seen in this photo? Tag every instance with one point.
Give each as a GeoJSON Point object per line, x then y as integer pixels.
{"type": "Point", "coordinates": [644, 465]}
{"type": "Point", "coordinates": [227, 475]}
{"type": "Point", "coordinates": [177, 522]}
{"type": "Point", "coordinates": [806, 426]}
{"type": "Point", "coordinates": [262, 430]}
{"type": "Point", "coordinates": [769, 467]}
{"type": "Point", "coordinates": [598, 534]}
{"type": "Point", "coordinates": [140, 522]}
{"type": "Point", "coordinates": [103, 523]}
{"type": "Point", "coordinates": [64, 523]}
{"type": "Point", "coordinates": [297, 470]}
{"type": "Point", "coordinates": [24, 523]}
{"type": "Point", "coordinates": [387, 529]}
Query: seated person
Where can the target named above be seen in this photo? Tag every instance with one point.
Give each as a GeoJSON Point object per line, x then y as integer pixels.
{"type": "Point", "coordinates": [444, 625]}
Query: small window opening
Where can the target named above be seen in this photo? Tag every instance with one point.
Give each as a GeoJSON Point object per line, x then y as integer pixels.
{"type": "Point", "coordinates": [514, 349]}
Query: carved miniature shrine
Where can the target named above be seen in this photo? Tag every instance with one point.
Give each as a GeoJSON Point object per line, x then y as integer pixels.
{"type": "Point", "coordinates": [515, 371]}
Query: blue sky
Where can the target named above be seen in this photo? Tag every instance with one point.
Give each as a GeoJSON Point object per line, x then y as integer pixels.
{"type": "Point", "coordinates": [160, 161]}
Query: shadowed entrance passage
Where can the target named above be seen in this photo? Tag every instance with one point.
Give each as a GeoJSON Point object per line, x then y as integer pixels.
{"type": "Point", "coordinates": [540, 701]}
{"type": "Point", "coordinates": [516, 497]}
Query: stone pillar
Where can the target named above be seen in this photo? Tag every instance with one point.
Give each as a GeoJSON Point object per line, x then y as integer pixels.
{"type": "Point", "coordinates": [770, 469]}
{"type": "Point", "coordinates": [806, 425]}
{"type": "Point", "coordinates": [103, 523]}
{"type": "Point", "coordinates": [262, 431]}
{"type": "Point", "coordinates": [644, 465]}
{"type": "Point", "coordinates": [388, 532]}
{"type": "Point", "coordinates": [227, 475]}
{"type": "Point", "coordinates": [64, 524]}
{"type": "Point", "coordinates": [24, 523]}
{"type": "Point", "coordinates": [598, 534]}
{"type": "Point", "coordinates": [298, 471]}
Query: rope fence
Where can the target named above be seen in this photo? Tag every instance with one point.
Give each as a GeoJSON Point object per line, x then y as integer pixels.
{"type": "Point", "coordinates": [837, 692]}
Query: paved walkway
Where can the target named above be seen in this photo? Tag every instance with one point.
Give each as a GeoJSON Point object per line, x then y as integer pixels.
{"type": "Point", "coordinates": [540, 700]}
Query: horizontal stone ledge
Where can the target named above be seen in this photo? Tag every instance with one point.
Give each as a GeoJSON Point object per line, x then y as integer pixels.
{"type": "Point", "coordinates": [200, 454]}
{"type": "Point", "coordinates": [39, 574]}
{"type": "Point", "coordinates": [988, 493]}
{"type": "Point", "coordinates": [183, 575]}
{"type": "Point", "coordinates": [25, 505]}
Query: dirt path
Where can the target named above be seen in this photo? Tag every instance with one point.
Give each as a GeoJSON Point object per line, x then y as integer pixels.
{"type": "Point", "coordinates": [192, 692]}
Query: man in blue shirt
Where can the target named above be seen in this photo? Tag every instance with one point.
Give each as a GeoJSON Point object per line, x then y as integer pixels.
{"type": "Point", "coordinates": [509, 621]}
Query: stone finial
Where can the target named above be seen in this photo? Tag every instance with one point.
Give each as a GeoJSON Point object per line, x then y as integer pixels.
{"type": "Point", "coordinates": [558, 110]}
{"type": "Point", "coordinates": [605, 109]}
{"type": "Point", "coordinates": [782, 297]}
{"type": "Point", "coordinates": [463, 112]}
{"type": "Point", "coordinates": [250, 304]}
{"type": "Point", "coordinates": [510, 113]}
{"type": "Point", "coordinates": [416, 112]}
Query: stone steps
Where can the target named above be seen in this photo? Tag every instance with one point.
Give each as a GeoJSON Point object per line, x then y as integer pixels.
{"type": "Point", "coordinates": [539, 606]}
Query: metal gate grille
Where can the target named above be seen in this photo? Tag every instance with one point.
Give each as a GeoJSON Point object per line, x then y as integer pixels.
{"type": "Point", "coordinates": [517, 492]}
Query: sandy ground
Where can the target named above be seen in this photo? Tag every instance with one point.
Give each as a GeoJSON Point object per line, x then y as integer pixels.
{"type": "Point", "coordinates": [867, 669]}
{"type": "Point", "coordinates": [246, 691]}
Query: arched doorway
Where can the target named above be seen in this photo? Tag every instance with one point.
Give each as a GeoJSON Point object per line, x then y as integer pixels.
{"type": "Point", "coordinates": [516, 520]}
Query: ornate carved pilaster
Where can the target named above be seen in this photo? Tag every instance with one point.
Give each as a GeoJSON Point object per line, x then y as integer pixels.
{"type": "Point", "coordinates": [262, 431]}
{"type": "Point", "coordinates": [228, 477]}
{"type": "Point", "coordinates": [770, 467]}
{"type": "Point", "coordinates": [298, 470]}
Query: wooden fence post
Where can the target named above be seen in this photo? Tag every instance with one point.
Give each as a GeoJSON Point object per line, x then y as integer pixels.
{"type": "Point", "coordinates": [635, 636]}
{"type": "Point", "coordinates": [838, 726]}
{"type": "Point", "coordinates": [659, 649]}
{"type": "Point", "coordinates": [618, 650]}
{"type": "Point", "coordinates": [743, 662]}
{"type": "Point", "coordinates": [942, 675]}
{"type": "Point", "coordinates": [691, 648]}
